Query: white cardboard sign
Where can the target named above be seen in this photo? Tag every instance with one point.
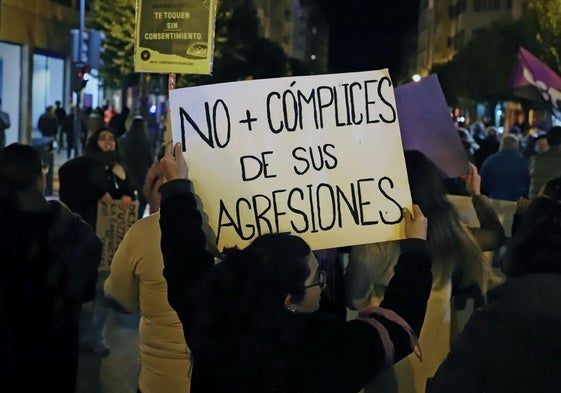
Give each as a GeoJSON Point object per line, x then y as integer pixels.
{"type": "Point", "coordinates": [316, 156]}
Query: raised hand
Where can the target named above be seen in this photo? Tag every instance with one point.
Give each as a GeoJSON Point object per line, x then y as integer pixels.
{"type": "Point", "coordinates": [473, 180]}
{"type": "Point", "coordinates": [126, 202]}
{"type": "Point", "coordinates": [415, 225]}
{"type": "Point", "coordinates": [106, 198]}
{"type": "Point", "coordinates": [173, 163]}
{"type": "Point", "coordinates": [522, 205]}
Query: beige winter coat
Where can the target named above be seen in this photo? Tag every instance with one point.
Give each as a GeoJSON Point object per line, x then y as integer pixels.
{"type": "Point", "coordinates": [137, 284]}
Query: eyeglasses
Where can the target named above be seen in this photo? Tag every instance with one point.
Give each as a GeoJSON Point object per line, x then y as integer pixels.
{"type": "Point", "coordinates": [321, 281]}
{"type": "Point", "coordinates": [106, 138]}
{"type": "Point", "coordinates": [45, 168]}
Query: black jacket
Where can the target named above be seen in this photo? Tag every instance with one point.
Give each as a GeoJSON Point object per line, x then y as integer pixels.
{"type": "Point", "coordinates": [48, 268]}
{"type": "Point", "coordinates": [85, 179]}
{"type": "Point", "coordinates": [313, 352]}
{"type": "Point", "coordinates": [511, 345]}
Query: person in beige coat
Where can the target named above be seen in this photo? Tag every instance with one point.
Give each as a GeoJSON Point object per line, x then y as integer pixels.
{"type": "Point", "coordinates": [136, 283]}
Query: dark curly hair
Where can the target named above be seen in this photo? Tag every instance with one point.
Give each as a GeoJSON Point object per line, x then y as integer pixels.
{"type": "Point", "coordinates": [91, 144]}
{"type": "Point", "coordinates": [241, 308]}
{"type": "Point", "coordinates": [93, 149]}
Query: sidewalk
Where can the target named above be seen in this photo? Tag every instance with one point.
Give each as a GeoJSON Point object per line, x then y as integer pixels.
{"type": "Point", "coordinates": [118, 372]}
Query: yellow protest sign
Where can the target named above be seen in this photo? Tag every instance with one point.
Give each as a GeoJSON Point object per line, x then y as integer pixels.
{"type": "Point", "coordinates": [175, 36]}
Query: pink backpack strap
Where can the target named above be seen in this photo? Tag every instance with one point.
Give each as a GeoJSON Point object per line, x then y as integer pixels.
{"type": "Point", "coordinates": [364, 315]}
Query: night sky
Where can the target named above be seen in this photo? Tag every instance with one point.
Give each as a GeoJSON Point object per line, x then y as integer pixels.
{"type": "Point", "coordinates": [367, 34]}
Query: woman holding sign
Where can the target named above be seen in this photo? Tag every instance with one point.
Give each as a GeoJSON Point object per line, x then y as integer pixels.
{"type": "Point", "coordinates": [86, 181]}
{"type": "Point", "coordinates": [98, 175]}
{"type": "Point", "coordinates": [250, 320]}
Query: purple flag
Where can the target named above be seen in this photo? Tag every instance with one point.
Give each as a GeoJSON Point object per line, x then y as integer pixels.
{"type": "Point", "coordinates": [426, 125]}
{"type": "Point", "coordinates": [530, 71]}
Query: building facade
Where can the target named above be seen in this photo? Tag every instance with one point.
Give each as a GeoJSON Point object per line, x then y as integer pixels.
{"type": "Point", "coordinates": [34, 50]}
{"type": "Point", "coordinates": [445, 26]}
{"type": "Point", "coordinates": [299, 27]}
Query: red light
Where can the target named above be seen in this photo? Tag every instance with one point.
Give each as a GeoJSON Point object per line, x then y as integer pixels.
{"type": "Point", "coordinates": [83, 71]}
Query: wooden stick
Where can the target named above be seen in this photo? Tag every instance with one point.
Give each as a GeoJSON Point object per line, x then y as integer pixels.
{"type": "Point", "coordinates": [171, 86]}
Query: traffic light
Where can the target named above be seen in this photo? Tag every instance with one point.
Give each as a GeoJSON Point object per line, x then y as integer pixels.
{"type": "Point", "coordinates": [79, 46]}
{"type": "Point", "coordinates": [96, 49]}
{"type": "Point", "coordinates": [77, 78]}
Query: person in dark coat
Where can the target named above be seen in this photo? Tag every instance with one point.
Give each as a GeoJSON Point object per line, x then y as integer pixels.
{"type": "Point", "coordinates": [60, 114]}
{"type": "Point", "coordinates": [98, 175]}
{"type": "Point", "coordinates": [136, 151]}
{"type": "Point", "coordinates": [504, 175]}
{"type": "Point", "coordinates": [544, 166]}
{"type": "Point", "coordinates": [48, 123]}
{"type": "Point", "coordinates": [513, 343]}
{"type": "Point", "coordinates": [251, 320]}
{"type": "Point", "coordinates": [48, 267]}
{"type": "Point", "coordinates": [67, 129]}
{"type": "Point", "coordinates": [469, 144]}
{"type": "Point", "coordinates": [490, 144]}
{"type": "Point", "coordinates": [117, 124]}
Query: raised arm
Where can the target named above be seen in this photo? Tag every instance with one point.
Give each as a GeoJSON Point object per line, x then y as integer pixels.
{"type": "Point", "coordinates": [183, 240]}
{"type": "Point", "coordinates": [409, 289]}
{"type": "Point", "coordinates": [383, 335]}
{"type": "Point", "coordinates": [491, 233]}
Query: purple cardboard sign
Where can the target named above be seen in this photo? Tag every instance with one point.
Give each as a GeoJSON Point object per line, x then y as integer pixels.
{"type": "Point", "coordinates": [426, 125]}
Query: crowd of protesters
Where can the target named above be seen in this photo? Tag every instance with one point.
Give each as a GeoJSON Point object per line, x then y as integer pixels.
{"type": "Point", "coordinates": [255, 321]}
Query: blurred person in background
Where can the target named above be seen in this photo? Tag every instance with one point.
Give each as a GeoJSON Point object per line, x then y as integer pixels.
{"type": "Point", "coordinates": [98, 176]}
{"type": "Point", "coordinates": [67, 128]}
{"type": "Point", "coordinates": [93, 122]}
{"type": "Point", "coordinates": [490, 144]}
{"type": "Point", "coordinates": [504, 175]}
{"type": "Point", "coordinates": [541, 144]}
{"type": "Point", "coordinates": [546, 165]}
{"type": "Point", "coordinates": [48, 123]}
{"type": "Point", "coordinates": [136, 152]}
{"type": "Point", "coordinates": [118, 122]}
{"type": "Point", "coordinates": [469, 144]}
{"type": "Point", "coordinates": [60, 114]}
